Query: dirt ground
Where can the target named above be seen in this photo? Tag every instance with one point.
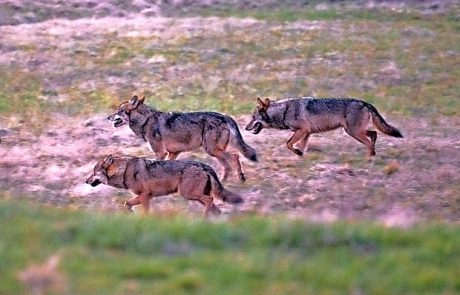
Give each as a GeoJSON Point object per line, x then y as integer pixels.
{"type": "Point", "coordinates": [410, 180]}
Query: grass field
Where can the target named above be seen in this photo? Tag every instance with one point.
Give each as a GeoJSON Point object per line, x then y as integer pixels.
{"type": "Point", "coordinates": [120, 254]}
{"type": "Point", "coordinates": [327, 223]}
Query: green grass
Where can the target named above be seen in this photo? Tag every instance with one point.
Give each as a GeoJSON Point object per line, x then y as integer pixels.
{"type": "Point", "coordinates": [287, 14]}
{"type": "Point", "coordinates": [121, 253]}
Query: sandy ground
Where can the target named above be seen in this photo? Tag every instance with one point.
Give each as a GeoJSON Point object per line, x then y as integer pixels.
{"type": "Point", "coordinates": [410, 180]}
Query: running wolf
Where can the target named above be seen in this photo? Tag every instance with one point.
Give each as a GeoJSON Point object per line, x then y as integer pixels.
{"type": "Point", "coordinates": [148, 178]}
{"type": "Point", "coordinates": [170, 133]}
{"type": "Point", "coordinates": [308, 115]}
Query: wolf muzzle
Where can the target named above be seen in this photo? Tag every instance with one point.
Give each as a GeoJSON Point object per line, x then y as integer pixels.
{"type": "Point", "coordinates": [94, 182]}
{"type": "Point", "coordinates": [256, 128]}
{"type": "Point", "coordinates": [117, 121]}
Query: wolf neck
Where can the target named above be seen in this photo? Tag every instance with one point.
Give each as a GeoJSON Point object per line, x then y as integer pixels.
{"type": "Point", "coordinates": [142, 118]}
{"type": "Point", "coordinates": [277, 113]}
{"type": "Point", "coordinates": [116, 173]}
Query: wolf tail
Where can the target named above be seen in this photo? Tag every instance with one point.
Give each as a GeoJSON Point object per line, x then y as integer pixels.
{"type": "Point", "coordinates": [231, 197]}
{"type": "Point", "coordinates": [218, 191]}
{"type": "Point", "coordinates": [380, 123]}
{"type": "Point", "coordinates": [237, 141]}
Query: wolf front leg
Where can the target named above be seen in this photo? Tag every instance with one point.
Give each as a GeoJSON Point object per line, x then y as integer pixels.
{"type": "Point", "coordinates": [143, 199]}
{"type": "Point", "coordinates": [302, 144]}
{"type": "Point", "coordinates": [298, 135]}
{"type": "Point", "coordinates": [156, 145]}
{"type": "Point", "coordinates": [172, 156]}
{"type": "Point", "coordinates": [132, 202]}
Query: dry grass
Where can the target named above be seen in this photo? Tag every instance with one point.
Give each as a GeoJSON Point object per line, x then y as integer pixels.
{"type": "Point", "coordinates": [222, 64]}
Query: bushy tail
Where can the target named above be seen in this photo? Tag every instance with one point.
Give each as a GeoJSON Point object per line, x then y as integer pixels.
{"type": "Point", "coordinates": [231, 197]}
{"type": "Point", "coordinates": [218, 191]}
{"type": "Point", "coordinates": [238, 142]}
{"type": "Point", "coordinates": [380, 123]}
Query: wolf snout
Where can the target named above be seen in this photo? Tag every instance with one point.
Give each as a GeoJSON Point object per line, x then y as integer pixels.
{"type": "Point", "coordinates": [93, 182]}
{"type": "Point", "coordinates": [256, 128]}
{"type": "Point", "coordinates": [250, 126]}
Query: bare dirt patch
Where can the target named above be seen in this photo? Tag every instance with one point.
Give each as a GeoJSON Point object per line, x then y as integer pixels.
{"type": "Point", "coordinates": [332, 181]}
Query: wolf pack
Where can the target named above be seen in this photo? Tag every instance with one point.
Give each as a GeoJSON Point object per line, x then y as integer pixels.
{"type": "Point", "coordinates": [168, 134]}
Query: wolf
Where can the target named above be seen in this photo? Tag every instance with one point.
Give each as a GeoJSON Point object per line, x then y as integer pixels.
{"type": "Point", "coordinates": [307, 115]}
{"type": "Point", "coordinates": [148, 178]}
{"type": "Point", "coordinates": [170, 133]}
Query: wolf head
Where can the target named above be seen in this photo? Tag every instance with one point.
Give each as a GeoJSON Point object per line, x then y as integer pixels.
{"type": "Point", "coordinates": [100, 172]}
{"type": "Point", "coordinates": [260, 118]}
{"type": "Point", "coordinates": [121, 116]}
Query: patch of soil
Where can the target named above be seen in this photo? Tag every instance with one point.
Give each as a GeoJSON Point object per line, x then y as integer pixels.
{"type": "Point", "coordinates": [410, 180]}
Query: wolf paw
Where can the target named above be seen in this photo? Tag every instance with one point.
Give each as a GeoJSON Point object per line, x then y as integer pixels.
{"type": "Point", "coordinates": [128, 207]}
{"type": "Point", "coordinates": [298, 152]}
{"type": "Point", "coordinates": [242, 177]}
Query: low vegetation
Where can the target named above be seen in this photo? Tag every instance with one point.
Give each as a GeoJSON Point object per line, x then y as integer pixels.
{"type": "Point", "coordinates": [402, 61]}
{"type": "Point", "coordinates": [117, 254]}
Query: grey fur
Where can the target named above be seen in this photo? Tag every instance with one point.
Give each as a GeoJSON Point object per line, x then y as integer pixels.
{"type": "Point", "coordinates": [307, 115]}
{"type": "Point", "coordinates": [171, 133]}
{"type": "Point", "coordinates": [148, 178]}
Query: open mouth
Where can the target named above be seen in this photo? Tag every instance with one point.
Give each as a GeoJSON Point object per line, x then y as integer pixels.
{"type": "Point", "coordinates": [117, 122]}
{"type": "Point", "coordinates": [257, 128]}
{"type": "Point", "coordinates": [96, 183]}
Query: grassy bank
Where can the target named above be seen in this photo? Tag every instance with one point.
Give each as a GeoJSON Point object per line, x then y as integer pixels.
{"type": "Point", "coordinates": [117, 254]}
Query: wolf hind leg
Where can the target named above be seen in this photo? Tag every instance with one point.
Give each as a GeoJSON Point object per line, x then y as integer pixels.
{"type": "Point", "coordinates": [298, 135]}
{"type": "Point", "coordinates": [215, 144]}
{"type": "Point", "coordinates": [363, 137]}
{"type": "Point", "coordinates": [223, 159]}
{"type": "Point", "coordinates": [208, 202]}
{"type": "Point", "coordinates": [372, 135]}
{"type": "Point", "coordinates": [195, 189]}
{"type": "Point", "coordinates": [235, 158]}
{"type": "Point", "coordinates": [356, 125]}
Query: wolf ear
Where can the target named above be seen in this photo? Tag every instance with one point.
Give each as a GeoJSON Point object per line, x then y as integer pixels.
{"type": "Point", "coordinates": [267, 102]}
{"type": "Point", "coordinates": [142, 99]}
{"type": "Point", "coordinates": [260, 102]}
{"type": "Point", "coordinates": [263, 105]}
{"type": "Point", "coordinates": [134, 100]}
{"type": "Point", "coordinates": [108, 160]}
